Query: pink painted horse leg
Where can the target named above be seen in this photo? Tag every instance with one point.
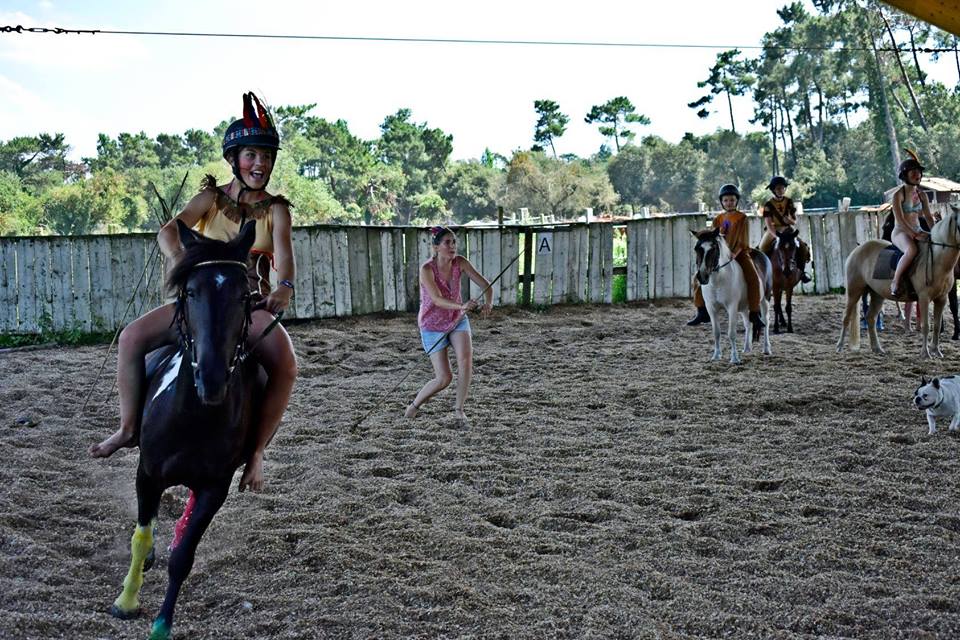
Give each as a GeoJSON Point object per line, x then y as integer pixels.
{"type": "Point", "coordinates": [181, 525]}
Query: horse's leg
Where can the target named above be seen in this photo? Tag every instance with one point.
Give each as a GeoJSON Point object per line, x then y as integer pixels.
{"type": "Point", "coordinates": [181, 525]}
{"type": "Point", "coordinates": [850, 324]}
{"type": "Point", "coordinates": [127, 604]}
{"type": "Point", "coordinates": [732, 333]}
{"type": "Point", "coordinates": [938, 305]}
{"type": "Point", "coordinates": [790, 308]}
{"type": "Point", "coordinates": [876, 304]}
{"type": "Point", "coordinates": [764, 313]}
{"type": "Point", "coordinates": [924, 307]}
{"type": "Point", "coordinates": [208, 502]}
{"type": "Point", "coordinates": [953, 311]}
{"type": "Point", "coordinates": [715, 325]}
{"type": "Point", "coordinates": [777, 309]}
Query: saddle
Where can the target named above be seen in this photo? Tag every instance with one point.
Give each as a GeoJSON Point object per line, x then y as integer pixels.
{"type": "Point", "coordinates": [886, 266]}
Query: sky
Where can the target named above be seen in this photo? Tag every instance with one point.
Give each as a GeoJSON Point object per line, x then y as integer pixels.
{"type": "Point", "coordinates": [483, 95]}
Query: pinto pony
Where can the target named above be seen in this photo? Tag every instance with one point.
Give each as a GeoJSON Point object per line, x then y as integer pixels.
{"type": "Point", "coordinates": [199, 408]}
{"type": "Point", "coordinates": [724, 288]}
{"type": "Point", "coordinates": [932, 278]}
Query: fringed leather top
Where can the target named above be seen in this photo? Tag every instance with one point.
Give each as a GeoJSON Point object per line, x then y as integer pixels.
{"type": "Point", "coordinates": [222, 222]}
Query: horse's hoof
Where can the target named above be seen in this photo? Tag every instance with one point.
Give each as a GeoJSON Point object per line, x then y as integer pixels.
{"type": "Point", "coordinates": [117, 612]}
{"type": "Point", "coordinates": [160, 630]}
{"type": "Point", "coordinates": [150, 559]}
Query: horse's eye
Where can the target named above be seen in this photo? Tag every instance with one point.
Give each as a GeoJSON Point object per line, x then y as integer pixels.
{"type": "Point", "coordinates": [191, 293]}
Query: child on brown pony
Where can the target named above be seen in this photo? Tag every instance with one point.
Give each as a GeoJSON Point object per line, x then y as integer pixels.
{"type": "Point", "coordinates": [780, 214]}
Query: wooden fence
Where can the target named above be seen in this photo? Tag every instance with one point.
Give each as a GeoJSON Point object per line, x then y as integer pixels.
{"type": "Point", "coordinates": [92, 283]}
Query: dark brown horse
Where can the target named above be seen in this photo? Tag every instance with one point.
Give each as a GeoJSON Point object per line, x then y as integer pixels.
{"type": "Point", "coordinates": [786, 275]}
{"type": "Point", "coordinates": [198, 410]}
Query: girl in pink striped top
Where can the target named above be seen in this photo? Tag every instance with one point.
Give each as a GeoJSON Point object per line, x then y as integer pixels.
{"type": "Point", "coordinates": [443, 319]}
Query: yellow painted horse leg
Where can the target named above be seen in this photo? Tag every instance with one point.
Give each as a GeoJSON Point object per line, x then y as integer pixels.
{"type": "Point", "coordinates": [127, 603]}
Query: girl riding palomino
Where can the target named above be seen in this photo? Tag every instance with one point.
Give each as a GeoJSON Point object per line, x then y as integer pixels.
{"type": "Point", "coordinates": [250, 145]}
{"type": "Point", "coordinates": [780, 214]}
{"type": "Point", "coordinates": [443, 319]}
{"type": "Point", "coordinates": [909, 203]}
{"type": "Point", "coordinates": [733, 227]}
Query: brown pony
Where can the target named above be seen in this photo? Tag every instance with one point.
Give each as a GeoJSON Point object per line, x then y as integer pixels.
{"type": "Point", "coordinates": [932, 280]}
{"type": "Point", "coordinates": [786, 275]}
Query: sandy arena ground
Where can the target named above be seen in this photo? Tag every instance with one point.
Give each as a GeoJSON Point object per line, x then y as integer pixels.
{"type": "Point", "coordinates": [612, 483]}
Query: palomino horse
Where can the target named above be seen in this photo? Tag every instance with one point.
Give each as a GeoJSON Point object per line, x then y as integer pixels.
{"type": "Point", "coordinates": [931, 279]}
{"type": "Point", "coordinates": [786, 275]}
{"type": "Point", "coordinates": [724, 288]}
{"type": "Point", "coordinates": [199, 407]}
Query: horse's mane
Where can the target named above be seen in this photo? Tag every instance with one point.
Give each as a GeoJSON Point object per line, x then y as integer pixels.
{"type": "Point", "coordinates": [949, 217]}
{"type": "Point", "coordinates": [203, 250]}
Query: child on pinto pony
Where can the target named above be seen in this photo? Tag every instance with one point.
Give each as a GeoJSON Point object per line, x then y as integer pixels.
{"type": "Point", "coordinates": [732, 224]}
{"type": "Point", "coordinates": [250, 145]}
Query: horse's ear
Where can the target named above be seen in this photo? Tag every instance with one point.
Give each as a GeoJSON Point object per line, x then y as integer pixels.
{"type": "Point", "coordinates": [936, 383]}
{"type": "Point", "coordinates": [923, 381]}
{"type": "Point", "coordinates": [694, 234]}
{"type": "Point", "coordinates": [245, 238]}
{"type": "Point", "coordinates": [188, 237]}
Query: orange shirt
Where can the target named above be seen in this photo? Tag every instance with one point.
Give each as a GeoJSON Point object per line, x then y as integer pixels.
{"type": "Point", "coordinates": [733, 226]}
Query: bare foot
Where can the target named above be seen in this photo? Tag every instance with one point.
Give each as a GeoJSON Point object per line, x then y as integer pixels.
{"type": "Point", "coordinates": [411, 411]}
{"type": "Point", "coordinates": [118, 440]}
{"type": "Point", "coordinates": [252, 477]}
{"type": "Point", "coordinates": [460, 417]}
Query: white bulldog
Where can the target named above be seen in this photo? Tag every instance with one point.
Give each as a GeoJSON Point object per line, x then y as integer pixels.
{"type": "Point", "coordinates": [939, 397]}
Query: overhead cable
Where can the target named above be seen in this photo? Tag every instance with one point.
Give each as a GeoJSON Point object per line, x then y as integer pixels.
{"type": "Point", "coordinates": [20, 29]}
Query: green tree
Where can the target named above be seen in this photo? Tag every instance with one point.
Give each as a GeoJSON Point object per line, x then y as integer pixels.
{"type": "Point", "coordinates": [40, 162]}
{"type": "Point", "coordinates": [104, 202]}
{"type": "Point", "coordinates": [730, 76]}
{"type": "Point", "coordinates": [469, 189]}
{"type": "Point", "coordinates": [19, 210]}
{"type": "Point", "coordinates": [551, 124]}
{"type": "Point", "coordinates": [614, 116]}
{"type": "Point", "coordinates": [203, 146]}
{"type": "Point", "coordinates": [561, 189]}
{"type": "Point", "coordinates": [418, 151]}
{"type": "Point", "coordinates": [172, 150]}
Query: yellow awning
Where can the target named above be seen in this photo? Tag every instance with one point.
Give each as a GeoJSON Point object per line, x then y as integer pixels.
{"type": "Point", "coordinates": [942, 13]}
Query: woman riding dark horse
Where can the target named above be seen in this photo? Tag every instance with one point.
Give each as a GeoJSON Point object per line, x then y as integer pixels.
{"type": "Point", "coordinates": [196, 428]}
{"type": "Point", "coordinates": [250, 145]}
{"type": "Point", "coordinates": [202, 397]}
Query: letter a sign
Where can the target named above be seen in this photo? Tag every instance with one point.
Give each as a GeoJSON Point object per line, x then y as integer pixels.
{"type": "Point", "coordinates": [544, 243]}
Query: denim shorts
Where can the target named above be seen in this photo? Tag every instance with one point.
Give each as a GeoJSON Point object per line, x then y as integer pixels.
{"type": "Point", "coordinates": [437, 339]}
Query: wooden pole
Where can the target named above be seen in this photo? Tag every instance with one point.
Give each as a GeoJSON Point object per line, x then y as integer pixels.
{"type": "Point", "coordinates": [527, 266]}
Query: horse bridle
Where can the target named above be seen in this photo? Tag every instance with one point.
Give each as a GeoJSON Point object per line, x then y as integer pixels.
{"type": "Point", "coordinates": [715, 268]}
{"type": "Point", "coordinates": [793, 262]}
{"type": "Point", "coordinates": [187, 344]}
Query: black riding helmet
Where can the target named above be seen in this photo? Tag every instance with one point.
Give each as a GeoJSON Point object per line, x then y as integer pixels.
{"type": "Point", "coordinates": [907, 166]}
{"type": "Point", "coordinates": [729, 190]}
{"type": "Point", "coordinates": [777, 181]}
{"type": "Point", "coordinates": [253, 130]}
